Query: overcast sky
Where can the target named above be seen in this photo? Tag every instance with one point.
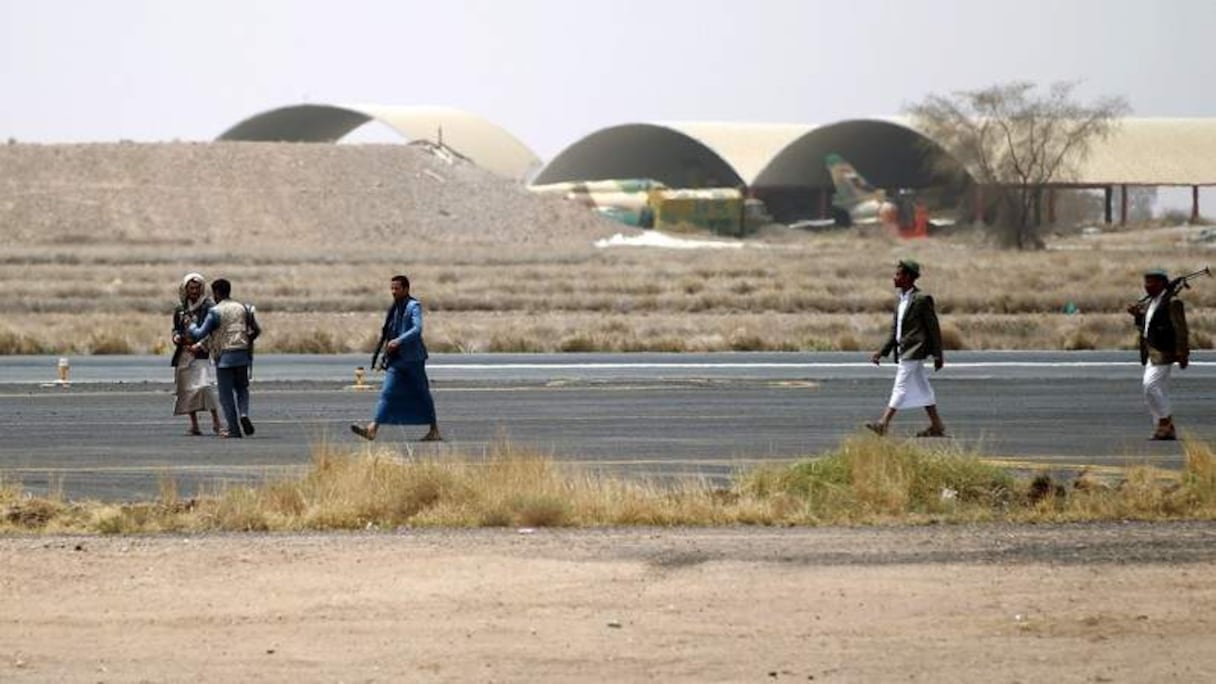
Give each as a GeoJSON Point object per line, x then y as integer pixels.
{"type": "Point", "coordinates": [551, 72]}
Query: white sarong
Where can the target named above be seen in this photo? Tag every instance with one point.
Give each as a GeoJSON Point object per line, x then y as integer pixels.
{"type": "Point", "coordinates": [912, 388]}
{"type": "Point", "coordinates": [195, 384]}
{"type": "Point", "coordinates": [1157, 389]}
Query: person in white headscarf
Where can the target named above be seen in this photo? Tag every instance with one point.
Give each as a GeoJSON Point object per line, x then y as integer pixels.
{"type": "Point", "coordinates": [194, 371]}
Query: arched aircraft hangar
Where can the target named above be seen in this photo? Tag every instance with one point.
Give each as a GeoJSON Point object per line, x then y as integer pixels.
{"type": "Point", "coordinates": [779, 163]}
{"type": "Point", "coordinates": [486, 144]}
{"type": "Point", "coordinates": [782, 164]}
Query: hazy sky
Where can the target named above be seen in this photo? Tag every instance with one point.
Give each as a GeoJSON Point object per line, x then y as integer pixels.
{"type": "Point", "coordinates": [551, 72]}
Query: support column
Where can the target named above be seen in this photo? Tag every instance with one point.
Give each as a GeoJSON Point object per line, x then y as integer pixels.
{"type": "Point", "coordinates": [1051, 206]}
{"type": "Point", "coordinates": [1123, 205]}
{"type": "Point", "coordinates": [1194, 204]}
{"type": "Point", "coordinates": [1109, 192]}
{"type": "Point", "coordinates": [823, 202]}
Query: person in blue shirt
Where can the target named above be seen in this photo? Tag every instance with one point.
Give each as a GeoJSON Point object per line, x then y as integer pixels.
{"type": "Point", "coordinates": [235, 328]}
{"type": "Point", "coordinates": [405, 398]}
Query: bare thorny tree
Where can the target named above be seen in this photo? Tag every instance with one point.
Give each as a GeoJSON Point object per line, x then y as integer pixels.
{"type": "Point", "coordinates": [1016, 140]}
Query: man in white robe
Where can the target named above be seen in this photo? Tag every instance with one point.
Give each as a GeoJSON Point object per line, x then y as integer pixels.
{"type": "Point", "coordinates": [915, 336]}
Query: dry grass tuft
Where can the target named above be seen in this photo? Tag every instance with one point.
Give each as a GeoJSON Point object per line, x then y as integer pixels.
{"type": "Point", "coordinates": [108, 343]}
{"type": "Point", "coordinates": [1199, 473]}
{"type": "Point", "coordinates": [866, 480]}
{"type": "Point", "coordinates": [21, 343]}
{"type": "Point", "coordinates": [322, 341]}
{"type": "Point", "coordinates": [1144, 493]}
{"type": "Point", "coordinates": [952, 337]}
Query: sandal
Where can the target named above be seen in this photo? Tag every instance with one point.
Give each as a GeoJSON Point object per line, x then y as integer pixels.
{"type": "Point", "coordinates": [876, 428]}
{"type": "Point", "coordinates": [361, 431]}
{"type": "Point", "coordinates": [931, 432]}
{"type": "Point", "coordinates": [194, 432]}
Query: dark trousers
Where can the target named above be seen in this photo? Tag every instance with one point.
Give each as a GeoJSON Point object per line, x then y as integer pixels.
{"type": "Point", "coordinates": [233, 383]}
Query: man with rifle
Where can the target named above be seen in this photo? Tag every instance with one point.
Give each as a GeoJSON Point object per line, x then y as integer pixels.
{"type": "Point", "coordinates": [405, 398]}
{"type": "Point", "coordinates": [1161, 322]}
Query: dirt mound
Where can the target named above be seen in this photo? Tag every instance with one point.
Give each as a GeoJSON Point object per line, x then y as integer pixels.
{"type": "Point", "coordinates": [265, 194]}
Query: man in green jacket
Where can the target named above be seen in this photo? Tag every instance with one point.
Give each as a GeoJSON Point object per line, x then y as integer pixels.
{"type": "Point", "coordinates": [915, 336]}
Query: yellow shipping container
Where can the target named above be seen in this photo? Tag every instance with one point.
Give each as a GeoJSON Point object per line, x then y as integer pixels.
{"type": "Point", "coordinates": [717, 209]}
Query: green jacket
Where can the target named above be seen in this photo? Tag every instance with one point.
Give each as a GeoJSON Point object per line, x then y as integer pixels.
{"type": "Point", "coordinates": [1167, 340]}
{"type": "Point", "coordinates": [922, 336]}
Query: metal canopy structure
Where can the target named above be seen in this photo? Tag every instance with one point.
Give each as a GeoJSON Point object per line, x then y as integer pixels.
{"type": "Point", "coordinates": [486, 144]}
{"type": "Point", "coordinates": [1156, 152]}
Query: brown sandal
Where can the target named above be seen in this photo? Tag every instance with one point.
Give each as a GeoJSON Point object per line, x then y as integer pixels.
{"type": "Point", "coordinates": [931, 432]}
{"type": "Point", "coordinates": [362, 431]}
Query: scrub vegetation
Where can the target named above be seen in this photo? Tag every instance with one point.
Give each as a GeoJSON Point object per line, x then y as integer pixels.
{"type": "Point", "coordinates": [786, 290]}
{"type": "Point", "coordinates": [864, 481]}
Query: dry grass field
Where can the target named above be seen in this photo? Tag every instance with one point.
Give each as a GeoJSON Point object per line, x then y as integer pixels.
{"type": "Point", "coordinates": [781, 292]}
{"type": "Point", "coordinates": [98, 236]}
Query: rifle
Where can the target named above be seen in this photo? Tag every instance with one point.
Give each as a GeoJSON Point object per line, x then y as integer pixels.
{"type": "Point", "coordinates": [386, 333]}
{"type": "Point", "coordinates": [376, 354]}
{"type": "Point", "coordinates": [1179, 283]}
{"type": "Point", "coordinates": [252, 330]}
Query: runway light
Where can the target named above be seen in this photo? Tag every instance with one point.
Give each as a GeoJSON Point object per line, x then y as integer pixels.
{"type": "Point", "coordinates": [360, 380]}
{"type": "Point", "coordinates": [63, 368]}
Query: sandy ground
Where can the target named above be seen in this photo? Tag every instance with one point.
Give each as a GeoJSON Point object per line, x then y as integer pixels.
{"type": "Point", "coordinates": [1107, 603]}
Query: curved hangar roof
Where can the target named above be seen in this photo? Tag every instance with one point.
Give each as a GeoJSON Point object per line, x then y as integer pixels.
{"type": "Point", "coordinates": [889, 151]}
{"type": "Point", "coordinates": [488, 145]}
{"type": "Point", "coordinates": [757, 155]}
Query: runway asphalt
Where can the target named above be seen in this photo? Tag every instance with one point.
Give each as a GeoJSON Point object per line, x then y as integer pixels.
{"type": "Point", "coordinates": [110, 435]}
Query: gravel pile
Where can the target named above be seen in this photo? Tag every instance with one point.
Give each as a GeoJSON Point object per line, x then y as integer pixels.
{"type": "Point", "coordinates": [265, 194]}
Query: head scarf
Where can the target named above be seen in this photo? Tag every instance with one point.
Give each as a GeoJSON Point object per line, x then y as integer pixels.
{"type": "Point", "coordinates": [181, 291]}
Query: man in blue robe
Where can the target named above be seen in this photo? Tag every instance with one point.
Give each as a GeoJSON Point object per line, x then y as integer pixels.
{"type": "Point", "coordinates": [405, 398]}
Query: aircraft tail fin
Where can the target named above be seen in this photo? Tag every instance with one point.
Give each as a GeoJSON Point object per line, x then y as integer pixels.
{"type": "Point", "coordinates": [852, 188]}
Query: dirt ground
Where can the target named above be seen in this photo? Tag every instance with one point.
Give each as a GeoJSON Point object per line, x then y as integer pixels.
{"type": "Point", "coordinates": [1092, 603]}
